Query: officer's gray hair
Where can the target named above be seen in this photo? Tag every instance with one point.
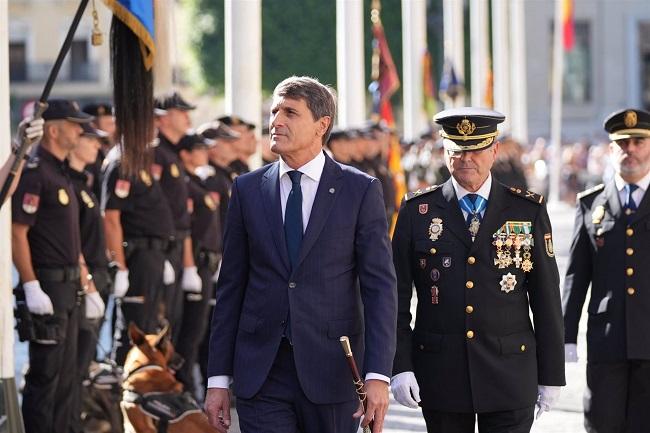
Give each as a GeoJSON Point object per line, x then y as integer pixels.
{"type": "Point", "coordinates": [319, 97]}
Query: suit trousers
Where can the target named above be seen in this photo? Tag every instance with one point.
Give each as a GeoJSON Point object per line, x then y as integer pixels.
{"type": "Point", "coordinates": [282, 407]}
{"type": "Point", "coordinates": [508, 421]}
{"type": "Point", "coordinates": [617, 398]}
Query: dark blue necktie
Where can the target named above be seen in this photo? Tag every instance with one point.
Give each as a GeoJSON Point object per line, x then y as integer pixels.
{"type": "Point", "coordinates": [293, 218]}
{"type": "Point", "coordinates": [293, 230]}
{"type": "Point", "coordinates": [630, 205]}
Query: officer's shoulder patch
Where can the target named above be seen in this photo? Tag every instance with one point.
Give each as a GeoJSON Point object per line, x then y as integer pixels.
{"type": "Point", "coordinates": [419, 192]}
{"type": "Point", "coordinates": [590, 191]}
{"type": "Point", "coordinates": [528, 195]}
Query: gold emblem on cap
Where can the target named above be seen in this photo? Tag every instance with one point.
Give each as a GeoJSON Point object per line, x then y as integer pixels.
{"type": "Point", "coordinates": [465, 128]}
{"type": "Point", "coordinates": [63, 197]}
{"type": "Point", "coordinates": [630, 119]}
{"type": "Point", "coordinates": [173, 170]}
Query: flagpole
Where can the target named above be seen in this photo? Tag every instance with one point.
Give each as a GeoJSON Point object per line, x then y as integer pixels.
{"type": "Point", "coordinates": [501, 59]}
{"type": "Point", "coordinates": [556, 108]}
{"type": "Point", "coordinates": [478, 16]}
{"type": "Point", "coordinates": [350, 71]}
{"type": "Point", "coordinates": [454, 43]}
{"type": "Point", "coordinates": [414, 23]}
{"type": "Point", "coordinates": [519, 101]}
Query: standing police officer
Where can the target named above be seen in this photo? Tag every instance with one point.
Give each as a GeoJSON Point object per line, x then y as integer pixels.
{"type": "Point", "coordinates": [245, 145]}
{"type": "Point", "coordinates": [206, 240]}
{"type": "Point", "coordinates": [173, 120]}
{"type": "Point", "coordinates": [139, 226]}
{"type": "Point", "coordinates": [479, 254]}
{"type": "Point", "coordinates": [47, 254]}
{"type": "Point", "coordinates": [610, 250]}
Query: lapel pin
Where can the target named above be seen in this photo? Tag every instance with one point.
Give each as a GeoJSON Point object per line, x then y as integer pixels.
{"type": "Point", "coordinates": [332, 190]}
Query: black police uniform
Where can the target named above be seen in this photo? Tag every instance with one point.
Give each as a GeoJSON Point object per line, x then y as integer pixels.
{"type": "Point", "coordinates": [474, 348]}
{"type": "Point", "coordinates": [380, 168]}
{"type": "Point", "coordinates": [221, 183]}
{"type": "Point", "coordinates": [169, 171]}
{"type": "Point", "coordinates": [207, 243]}
{"type": "Point", "coordinates": [610, 251]}
{"type": "Point", "coordinates": [45, 200]}
{"type": "Point", "coordinates": [147, 226]}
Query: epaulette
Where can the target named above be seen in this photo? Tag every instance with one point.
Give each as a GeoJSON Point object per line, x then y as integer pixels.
{"type": "Point", "coordinates": [419, 192]}
{"type": "Point", "coordinates": [529, 195]}
{"type": "Point", "coordinates": [33, 162]}
{"type": "Point", "coordinates": [592, 190]}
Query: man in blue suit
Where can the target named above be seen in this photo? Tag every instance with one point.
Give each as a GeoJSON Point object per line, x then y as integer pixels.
{"type": "Point", "coordinates": [306, 260]}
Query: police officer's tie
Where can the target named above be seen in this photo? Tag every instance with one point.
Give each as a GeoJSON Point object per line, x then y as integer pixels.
{"type": "Point", "coordinates": [630, 205]}
{"type": "Point", "coordinates": [293, 229]}
{"type": "Point", "coordinates": [473, 205]}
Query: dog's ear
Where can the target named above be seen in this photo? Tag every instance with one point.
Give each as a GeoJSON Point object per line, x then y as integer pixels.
{"type": "Point", "coordinates": [136, 335]}
{"type": "Point", "coordinates": [161, 335]}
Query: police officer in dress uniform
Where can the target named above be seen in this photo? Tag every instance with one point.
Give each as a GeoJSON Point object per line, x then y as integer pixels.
{"type": "Point", "coordinates": [172, 118]}
{"type": "Point", "coordinates": [480, 255]}
{"type": "Point", "coordinates": [206, 240]}
{"type": "Point", "coordinates": [610, 250]}
{"type": "Point", "coordinates": [47, 254]}
{"type": "Point", "coordinates": [139, 226]}
{"type": "Point", "coordinates": [93, 246]}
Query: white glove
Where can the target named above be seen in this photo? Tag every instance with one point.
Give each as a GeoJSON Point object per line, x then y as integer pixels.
{"type": "Point", "coordinates": [406, 389]}
{"type": "Point", "coordinates": [29, 129]}
{"type": "Point", "coordinates": [169, 276]}
{"type": "Point", "coordinates": [191, 282]}
{"type": "Point", "coordinates": [37, 300]}
{"type": "Point", "coordinates": [570, 352]}
{"type": "Point", "coordinates": [121, 283]}
{"type": "Point", "coordinates": [547, 396]}
{"type": "Point", "coordinates": [94, 306]}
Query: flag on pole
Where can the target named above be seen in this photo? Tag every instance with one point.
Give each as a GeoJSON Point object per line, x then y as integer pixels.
{"type": "Point", "coordinates": [385, 82]}
{"type": "Point", "coordinates": [568, 29]}
{"type": "Point", "coordinates": [428, 86]}
{"type": "Point", "coordinates": [139, 17]}
{"type": "Point", "coordinates": [450, 87]}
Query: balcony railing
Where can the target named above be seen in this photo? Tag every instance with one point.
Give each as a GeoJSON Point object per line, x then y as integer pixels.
{"type": "Point", "coordinates": [38, 72]}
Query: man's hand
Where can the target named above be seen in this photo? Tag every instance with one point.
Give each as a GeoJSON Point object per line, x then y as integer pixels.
{"type": "Point", "coordinates": [406, 389]}
{"type": "Point", "coordinates": [191, 281]}
{"type": "Point", "coordinates": [570, 352]}
{"type": "Point", "coordinates": [37, 300]}
{"type": "Point", "coordinates": [546, 398]}
{"type": "Point", "coordinates": [169, 276]}
{"type": "Point", "coordinates": [217, 407]}
{"type": "Point", "coordinates": [121, 283]}
{"type": "Point", "coordinates": [377, 405]}
{"type": "Point", "coordinates": [29, 130]}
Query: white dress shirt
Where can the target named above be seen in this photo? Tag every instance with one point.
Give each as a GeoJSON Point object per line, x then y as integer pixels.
{"type": "Point", "coordinates": [637, 195]}
{"type": "Point", "coordinates": [311, 174]}
{"type": "Point", "coordinates": [483, 191]}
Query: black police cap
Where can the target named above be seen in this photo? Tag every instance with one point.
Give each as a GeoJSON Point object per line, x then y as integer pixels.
{"type": "Point", "coordinates": [468, 128]}
{"type": "Point", "coordinates": [98, 109]}
{"type": "Point", "coordinates": [233, 120]}
{"type": "Point", "coordinates": [171, 101]}
{"type": "Point", "coordinates": [628, 123]}
{"type": "Point", "coordinates": [190, 142]}
{"type": "Point", "coordinates": [89, 131]}
{"type": "Point", "coordinates": [217, 130]}
{"type": "Point", "coordinates": [63, 109]}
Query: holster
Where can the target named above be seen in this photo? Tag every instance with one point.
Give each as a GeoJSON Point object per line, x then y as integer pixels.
{"type": "Point", "coordinates": [24, 323]}
{"type": "Point", "coordinates": [42, 329]}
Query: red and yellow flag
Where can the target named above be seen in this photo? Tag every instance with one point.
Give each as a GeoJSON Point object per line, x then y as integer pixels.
{"type": "Point", "coordinates": [568, 31]}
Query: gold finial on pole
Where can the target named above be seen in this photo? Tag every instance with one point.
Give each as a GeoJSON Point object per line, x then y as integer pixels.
{"type": "Point", "coordinates": [345, 342]}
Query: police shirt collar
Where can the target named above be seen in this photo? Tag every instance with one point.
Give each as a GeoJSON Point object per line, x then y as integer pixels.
{"type": "Point", "coordinates": [313, 169]}
{"type": "Point", "coordinates": [483, 191]}
{"type": "Point", "coordinates": [642, 184]}
{"type": "Point", "coordinates": [46, 155]}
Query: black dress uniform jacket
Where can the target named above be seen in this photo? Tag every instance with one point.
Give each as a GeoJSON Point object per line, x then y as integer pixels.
{"type": "Point", "coordinates": [612, 254]}
{"type": "Point", "coordinates": [475, 350]}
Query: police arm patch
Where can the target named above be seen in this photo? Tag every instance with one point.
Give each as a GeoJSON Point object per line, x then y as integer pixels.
{"type": "Point", "coordinates": [30, 203]}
